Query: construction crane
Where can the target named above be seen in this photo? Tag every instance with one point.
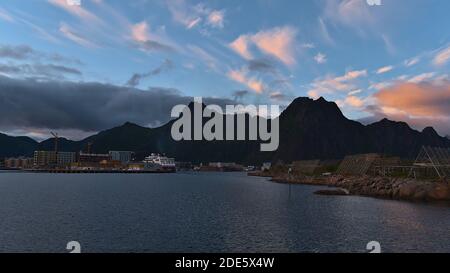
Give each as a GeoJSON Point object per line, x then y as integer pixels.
{"type": "Point", "coordinates": [55, 135]}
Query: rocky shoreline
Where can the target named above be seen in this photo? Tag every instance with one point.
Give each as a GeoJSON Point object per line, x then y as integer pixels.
{"type": "Point", "coordinates": [379, 187]}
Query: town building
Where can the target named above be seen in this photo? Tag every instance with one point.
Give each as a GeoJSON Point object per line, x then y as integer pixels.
{"type": "Point", "coordinates": [93, 158]}
{"type": "Point", "coordinates": [123, 156]}
{"type": "Point", "coordinates": [51, 158]}
{"type": "Point", "coordinates": [18, 163]}
{"type": "Point", "coordinates": [66, 158]}
{"type": "Point", "coordinates": [136, 166]}
{"type": "Point", "coordinates": [223, 167]}
{"type": "Point", "coordinates": [44, 158]}
{"type": "Point", "coordinates": [102, 165]}
{"type": "Point", "coordinates": [222, 164]}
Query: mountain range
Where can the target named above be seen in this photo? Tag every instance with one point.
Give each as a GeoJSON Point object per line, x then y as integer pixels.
{"type": "Point", "coordinates": [309, 129]}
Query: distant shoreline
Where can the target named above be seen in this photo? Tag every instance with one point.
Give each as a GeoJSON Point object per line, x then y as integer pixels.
{"type": "Point", "coordinates": [112, 171]}
{"type": "Point", "coordinates": [90, 171]}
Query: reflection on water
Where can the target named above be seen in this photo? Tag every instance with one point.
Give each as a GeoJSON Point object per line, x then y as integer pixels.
{"type": "Point", "coordinates": [204, 212]}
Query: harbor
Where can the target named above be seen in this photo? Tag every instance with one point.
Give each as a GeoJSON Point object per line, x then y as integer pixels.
{"type": "Point", "coordinates": [87, 161]}
{"type": "Point", "coordinates": [122, 162]}
{"type": "Point", "coordinates": [92, 171]}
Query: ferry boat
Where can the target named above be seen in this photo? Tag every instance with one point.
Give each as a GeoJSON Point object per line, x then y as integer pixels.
{"type": "Point", "coordinates": [156, 162]}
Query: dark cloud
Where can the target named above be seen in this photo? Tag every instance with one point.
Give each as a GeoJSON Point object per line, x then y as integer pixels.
{"type": "Point", "coordinates": [84, 106]}
{"type": "Point", "coordinates": [25, 62]}
{"type": "Point", "coordinates": [16, 52]}
{"type": "Point", "coordinates": [25, 52]}
{"type": "Point", "coordinates": [262, 66]}
{"type": "Point", "coordinates": [277, 96]}
{"type": "Point", "coordinates": [10, 69]}
{"type": "Point", "coordinates": [376, 114]}
{"type": "Point", "coordinates": [155, 46]}
{"type": "Point", "coordinates": [39, 71]}
{"type": "Point", "coordinates": [136, 78]}
{"type": "Point", "coordinates": [62, 59]}
{"type": "Point", "coordinates": [280, 82]}
{"type": "Point", "coordinates": [59, 69]}
{"type": "Point", "coordinates": [240, 94]}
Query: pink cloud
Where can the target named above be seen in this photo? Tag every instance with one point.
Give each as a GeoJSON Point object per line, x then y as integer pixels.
{"type": "Point", "coordinates": [216, 18]}
{"type": "Point", "coordinates": [354, 101]}
{"type": "Point", "coordinates": [139, 32]}
{"type": "Point", "coordinates": [74, 36]}
{"type": "Point", "coordinates": [276, 42]}
{"type": "Point", "coordinates": [149, 41]}
{"type": "Point", "coordinates": [241, 47]}
{"type": "Point", "coordinates": [419, 104]}
{"type": "Point", "coordinates": [443, 57]}
{"type": "Point", "coordinates": [385, 69]}
{"type": "Point", "coordinates": [417, 99]}
{"type": "Point", "coordinates": [195, 16]}
{"type": "Point", "coordinates": [330, 85]}
{"type": "Point", "coordinates": [240, 76]}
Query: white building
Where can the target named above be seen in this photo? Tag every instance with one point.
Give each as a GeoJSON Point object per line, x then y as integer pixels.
{"type": "Point", "coordinates": [66, 158]}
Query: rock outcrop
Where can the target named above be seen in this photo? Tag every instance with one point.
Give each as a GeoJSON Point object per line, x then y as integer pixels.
{"type": "Point", "coordinates": [395, 188]}
{"type": "Point", "coordinates": [382, 187]}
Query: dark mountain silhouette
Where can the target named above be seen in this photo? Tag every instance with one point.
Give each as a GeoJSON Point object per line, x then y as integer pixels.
{"type": "Point", "coordinates": [16, 146]}
{"type": "Point", "coordinates": [317, 129]}
{"type": "Point", "coordinates": [63, 145]}
{"type": "Point", "coordinates": [309, 129]}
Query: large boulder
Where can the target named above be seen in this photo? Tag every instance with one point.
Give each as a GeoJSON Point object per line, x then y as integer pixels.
{"type": "Point", "coordinates": [440, 192]}
{"type": "Point", "coordinates": [408, 190]}
{"type": "Point", "coordinates": [420, 194]}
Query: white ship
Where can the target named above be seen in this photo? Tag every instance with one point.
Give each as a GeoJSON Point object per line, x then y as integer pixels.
{"type": "Point", "coordinates": [156, 162]}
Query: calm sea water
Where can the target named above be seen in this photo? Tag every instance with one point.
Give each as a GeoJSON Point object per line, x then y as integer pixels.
{"type": "Point", "coordinates": [204, 212]}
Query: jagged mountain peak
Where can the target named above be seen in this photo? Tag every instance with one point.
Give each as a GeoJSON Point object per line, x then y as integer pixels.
{"type": "Point", "coordinates": [320, 109]}
{"type": "Point", "coordinates": [385, 122]}
{"type": "Point", "coordinates": [129, 124]}
{"type": "Point", "coordinates": [430, 131]}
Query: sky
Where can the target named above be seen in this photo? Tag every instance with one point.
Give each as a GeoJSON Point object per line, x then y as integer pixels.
{"type": "Point", "coordinates": [79, 69]}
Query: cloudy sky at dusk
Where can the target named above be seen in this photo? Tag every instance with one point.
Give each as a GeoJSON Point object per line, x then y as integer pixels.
{"type": "Point", "coordinates": [80, 69]}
